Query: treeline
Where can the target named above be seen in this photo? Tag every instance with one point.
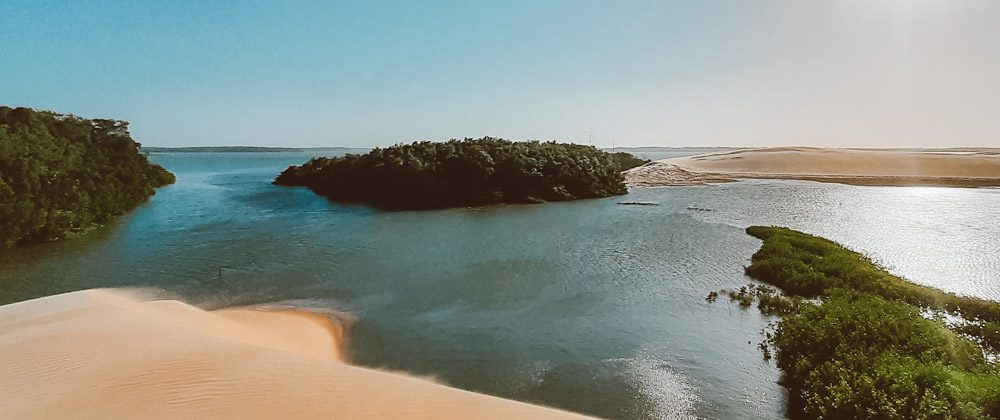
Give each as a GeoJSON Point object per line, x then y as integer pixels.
{"type": "Point", "coordinates": [866, 348]}
{"type": "Point", "coordinates": [469, 172]}
{"type": "Point", "coordinates": [61, 175]}
{"type": "Point", "coordinates": [626, 161]}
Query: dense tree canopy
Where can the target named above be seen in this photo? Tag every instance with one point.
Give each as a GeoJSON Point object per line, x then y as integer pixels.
{"type": "Point", "coordinates": [465, 172]}
{"type": "Point", "coordinates": [61, 175]}
{"type": "Point", "coordinates": [865, 348]}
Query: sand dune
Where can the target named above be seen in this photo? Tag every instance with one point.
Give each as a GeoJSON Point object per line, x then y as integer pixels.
{"type": "Point", "coordinates": [115, 354]}
{"type": "Point", "coordinates": [942, 167]}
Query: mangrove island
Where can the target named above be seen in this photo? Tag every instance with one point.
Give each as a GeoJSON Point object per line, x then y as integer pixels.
{"type": "Point", "coordinates": [468, 172]}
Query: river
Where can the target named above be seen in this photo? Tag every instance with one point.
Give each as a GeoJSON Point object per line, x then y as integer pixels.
{"type": "Point", "coordinates": [588, 306]}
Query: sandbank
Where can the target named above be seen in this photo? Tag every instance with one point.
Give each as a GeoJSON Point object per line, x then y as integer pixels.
{"type": "Point", "coordinates": [966, 167]}
{"type": "Point", "coordinates": [120, 354]}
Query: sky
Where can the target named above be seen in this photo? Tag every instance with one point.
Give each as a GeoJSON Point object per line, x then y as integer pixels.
{"type": "Point", "coordinates": [837, 73]}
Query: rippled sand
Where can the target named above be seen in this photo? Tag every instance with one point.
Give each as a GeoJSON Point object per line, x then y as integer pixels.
{"type": "Point", "coordinates": [112, 354]}
{"type": "Point", "coordinates": [952, 167]}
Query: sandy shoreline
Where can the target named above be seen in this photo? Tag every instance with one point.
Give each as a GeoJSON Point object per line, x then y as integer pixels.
{"type": "Point", "coordinates": [109, 354]}
{"type": "Point", "coordinates": [938, 167]}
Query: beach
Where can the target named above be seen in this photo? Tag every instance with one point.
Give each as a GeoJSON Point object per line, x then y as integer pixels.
{"type": "Point", "coordinates": [119, 353]}
{"type": "Point", "coordinates": [900, 167]}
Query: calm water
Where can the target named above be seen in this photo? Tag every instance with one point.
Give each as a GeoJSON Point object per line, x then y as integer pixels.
{"type": "Point", "coordinates": [588, 306]}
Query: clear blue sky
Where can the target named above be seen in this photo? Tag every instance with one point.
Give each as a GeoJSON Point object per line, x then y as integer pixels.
{"type": "Point", "coordinates": [670, 73]}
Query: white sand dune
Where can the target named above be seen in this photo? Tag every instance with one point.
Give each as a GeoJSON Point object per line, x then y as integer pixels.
{"type": "Point", "coordinates": [116, 354]}
{"type": "Point", "coordinates": [959, 167]}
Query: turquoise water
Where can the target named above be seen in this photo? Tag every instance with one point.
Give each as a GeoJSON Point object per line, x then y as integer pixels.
{"type": "Point", "coordinates": [588, 306]}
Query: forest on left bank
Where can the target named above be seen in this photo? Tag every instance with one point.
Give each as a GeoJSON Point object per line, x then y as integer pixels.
{"type": "Point", "coordinates": [62, 175]}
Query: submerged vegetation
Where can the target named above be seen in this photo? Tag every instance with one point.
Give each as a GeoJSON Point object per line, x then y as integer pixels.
{"type": "Point", "coordinates": [467, 172]}
{"type": "Point", "coordinates": [864, 348]}
{"type": "Point", "coordinates": [60, 175]}
{"type": "Point", "coordinates": [769, 300]}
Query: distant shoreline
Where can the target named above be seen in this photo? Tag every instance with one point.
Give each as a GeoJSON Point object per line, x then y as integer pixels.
{"type": "Point", "coordinates": [958, 167]}
{"type": "Point", "coordinates": [707, 150]}
{"type": "Point", "coordinates": [265, 149]}
{"type": "Point", "coordinates": [242, 149]}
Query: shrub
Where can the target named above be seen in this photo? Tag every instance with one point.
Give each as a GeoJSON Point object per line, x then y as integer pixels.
{"type": "Point", "coordinates": [865, 350]}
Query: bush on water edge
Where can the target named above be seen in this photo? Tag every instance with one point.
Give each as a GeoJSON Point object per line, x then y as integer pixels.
{"type": "Point", "coordinates": [61, 175]}
{"type": "Point", "coordinates": [862, 348]}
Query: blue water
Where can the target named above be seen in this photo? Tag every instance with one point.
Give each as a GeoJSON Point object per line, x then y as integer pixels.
{"type": "Point", "coordinates": [588, 305]}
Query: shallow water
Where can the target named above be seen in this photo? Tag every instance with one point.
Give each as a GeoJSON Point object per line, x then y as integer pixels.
{"type": "Point", "coordinates": [588, 305]}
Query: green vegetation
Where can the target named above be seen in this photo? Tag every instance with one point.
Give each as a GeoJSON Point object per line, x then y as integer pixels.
{"type": "Point", "coordinates": [469, 172]}
{"type": "Point", "coordinates": [805, 265]}
{"type": "Point", "coordinates": [769, 300]}
{"type": "Point", "coordinates": [60, 175]}
{"type": "Point", "coordinates": [626, 161]}
{"type": "Point", "coordinates": [863, 349]}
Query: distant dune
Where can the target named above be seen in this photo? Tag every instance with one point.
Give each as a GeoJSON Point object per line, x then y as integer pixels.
{"type": "Point", "coordinates": [937, 167]}
{"type": "Point", "coordinates": [114, 354]}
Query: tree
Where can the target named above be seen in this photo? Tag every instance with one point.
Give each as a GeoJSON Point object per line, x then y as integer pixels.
{"type": "Point", "coordinates": [466, 172]}
{"type": "Point", "coordinates": [60, 175]}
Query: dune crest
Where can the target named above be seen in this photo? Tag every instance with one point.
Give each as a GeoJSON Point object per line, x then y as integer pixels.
{"type": "Point", "coordinates": [111, 353]}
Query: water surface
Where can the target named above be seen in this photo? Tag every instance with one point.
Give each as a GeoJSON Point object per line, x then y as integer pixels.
{"type": "Point", "coordinates": [588, 306]}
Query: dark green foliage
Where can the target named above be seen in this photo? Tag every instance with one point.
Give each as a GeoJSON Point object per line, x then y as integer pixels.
{"type": "Point", "coordinates": [864, 350]}
{"type": "Point", "coordinates": [860, 356]}
{"type": "Point", "coordinates": [806, 265]}
{"type": "Point", "coordinates": [61, 175]}
{"type": "Point", "coordinates": [626, 161]}
{"type": "Point", "coordinates": [466, 172]}
{"type": "Point", "coordinates": [987, 333]}
{"type": "Point", "coordinates": [851, 322]}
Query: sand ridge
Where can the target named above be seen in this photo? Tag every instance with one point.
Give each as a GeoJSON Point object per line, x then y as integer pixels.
{"type": "Point", "coordinates": [933, 167]}
{"type": "Point", "coordinates": [112, 354]}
